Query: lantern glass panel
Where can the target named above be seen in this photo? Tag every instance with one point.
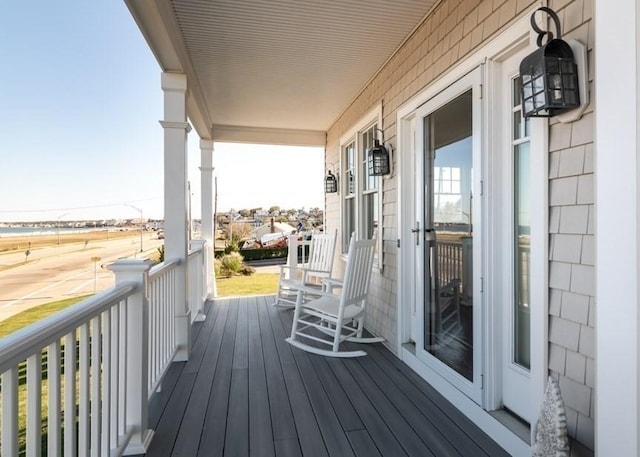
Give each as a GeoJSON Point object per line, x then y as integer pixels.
{"type": "Point", "coordinates": [552, 64]}
{"type": "Point", "coordinates": [568, 67]}
{"type": "Point", "coordinates": [571, 97]}
{"type": "Point", "coordinates": [528, 105]}
{"type": "Point", "coordinates": [538, 84]}
{"type": "Point", "coordinates": [569, 82]}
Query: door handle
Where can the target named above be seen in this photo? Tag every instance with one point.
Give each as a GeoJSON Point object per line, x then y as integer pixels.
{"type": "Point", "coordinates": [417, 232]}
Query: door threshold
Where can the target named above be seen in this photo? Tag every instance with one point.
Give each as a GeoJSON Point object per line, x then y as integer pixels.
{"type": "Point", "coordinates": [410, 346]}
{"type": "Point", "coordinates": [514, 423]}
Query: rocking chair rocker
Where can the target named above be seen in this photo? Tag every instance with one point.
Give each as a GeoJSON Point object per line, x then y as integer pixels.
{"type": "Point", "coordinates": [331, 319]}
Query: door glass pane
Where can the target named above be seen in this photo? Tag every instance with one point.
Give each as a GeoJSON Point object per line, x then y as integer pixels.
{"type": "Point", "coordinates": [449, 245]}
{"type": "Point", "coordinates": [522, 229]}
{"type": "Point", "coordinates": [522, 232]}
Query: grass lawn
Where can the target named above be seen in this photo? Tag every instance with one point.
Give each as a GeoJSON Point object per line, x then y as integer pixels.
{"type": "Point", "coordinates": [35, 314]}
{"type": "Point", "coordinates": [256, 284]}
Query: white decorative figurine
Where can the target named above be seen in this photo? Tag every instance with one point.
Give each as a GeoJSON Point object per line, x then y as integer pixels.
{"type": "Point", "coordinates": [550, 431]}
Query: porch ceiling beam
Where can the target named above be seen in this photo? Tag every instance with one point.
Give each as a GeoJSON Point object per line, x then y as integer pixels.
{"type": "Point", "coordinates": [244, 134]}
{"type": "Point", "coordinates": [157, 23]}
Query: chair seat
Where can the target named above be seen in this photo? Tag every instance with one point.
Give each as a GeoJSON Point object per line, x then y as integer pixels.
{"type": "Point", "coordinates": [330, 305]}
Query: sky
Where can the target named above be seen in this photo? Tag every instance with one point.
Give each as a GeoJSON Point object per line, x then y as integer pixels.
{"type": "Point", "coordinates": [80, 101]}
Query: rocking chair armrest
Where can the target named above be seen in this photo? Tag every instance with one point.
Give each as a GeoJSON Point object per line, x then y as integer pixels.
{"type": "Point", "coordinates": [331, 283]}
{"type": "Point", "coordinates": [310, 271]}
{"type": "Point", "coordinates": [289, 268]}
{"type": "Point", "coordinates": [303, 269]}
{"type": "Point", "coordinates": [301, 288]}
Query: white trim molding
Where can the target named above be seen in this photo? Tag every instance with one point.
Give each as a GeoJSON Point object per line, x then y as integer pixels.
{"type": "Point", "coordinates": [259, 135]}
{"type": "Point", "coordinates": [617, 190]}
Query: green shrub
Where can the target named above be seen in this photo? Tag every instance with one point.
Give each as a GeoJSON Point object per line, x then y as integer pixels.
{"type": "Point", "coordinates": [232, 264]}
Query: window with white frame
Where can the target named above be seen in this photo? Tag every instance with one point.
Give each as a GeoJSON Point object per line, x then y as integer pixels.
{"type": "Point", "coordinates": [361, 191]}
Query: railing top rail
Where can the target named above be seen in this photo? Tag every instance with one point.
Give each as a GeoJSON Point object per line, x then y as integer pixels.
{"type": "Point", "coordinates": [19, 345]}
{"type": "Point", "coordinates": [159, 269]}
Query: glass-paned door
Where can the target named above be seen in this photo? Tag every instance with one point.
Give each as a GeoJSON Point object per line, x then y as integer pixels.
{"type": "Point", "coordinates": [448, 246]}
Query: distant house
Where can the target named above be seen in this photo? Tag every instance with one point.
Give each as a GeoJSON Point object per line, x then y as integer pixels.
{"type": "Point", "coordinates": [271, 228]}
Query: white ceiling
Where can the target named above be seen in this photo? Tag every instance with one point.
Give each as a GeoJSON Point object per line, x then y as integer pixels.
{"type": "Point", "coordinates": [289, 65]}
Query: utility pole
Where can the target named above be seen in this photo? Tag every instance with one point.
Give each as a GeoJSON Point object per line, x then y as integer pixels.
{"type": "Point", "coordinates": [215, 209]}
{"type": "Point", "coordinates": [141, 222]}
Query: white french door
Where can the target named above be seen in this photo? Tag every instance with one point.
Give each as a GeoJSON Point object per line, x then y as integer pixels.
{"type": "Point", "coordinates": [447, 320]}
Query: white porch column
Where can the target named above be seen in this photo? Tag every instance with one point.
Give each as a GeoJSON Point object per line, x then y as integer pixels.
{"type": "Point", "coordinates": [176, 224]}
{"type": "Point", "coordinates": [617, 327]}
{"type": "Point", "coordinates": [207, 232]}
{"type": "Point", "coordinates": [137, 350]}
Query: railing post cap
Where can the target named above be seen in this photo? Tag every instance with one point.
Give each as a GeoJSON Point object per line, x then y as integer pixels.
{"type": "Point", "coordinates": [124, 265]}
{"type": "Point", "coordinates": [198, 243]}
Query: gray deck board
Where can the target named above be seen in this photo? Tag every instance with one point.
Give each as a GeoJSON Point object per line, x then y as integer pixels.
{"type": "Point", "coordinates": [260, 431]}
{"type": "Point", "coordinates": [245, 391]}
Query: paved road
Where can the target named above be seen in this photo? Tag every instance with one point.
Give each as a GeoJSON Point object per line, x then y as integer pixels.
{"type": "Point", "coordinates": [64, 271]}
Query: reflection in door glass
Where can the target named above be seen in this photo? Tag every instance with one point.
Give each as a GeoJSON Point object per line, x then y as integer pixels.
{"type": "Point", "coordinates": [522, 234]}
{"type": "Point", "coordinates": [448, 251]}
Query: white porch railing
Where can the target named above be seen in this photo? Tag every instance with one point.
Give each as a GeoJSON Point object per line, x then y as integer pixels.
{"type": "Point", "coordinates": [162, 330]}
{"type": "Point", "coordinates": [98, 408]}
{"type": "Point", "coordinates": [197, 279]}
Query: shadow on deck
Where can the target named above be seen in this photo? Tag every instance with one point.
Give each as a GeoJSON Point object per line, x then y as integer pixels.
{"type": "Point", "coordinates": [245, 391]}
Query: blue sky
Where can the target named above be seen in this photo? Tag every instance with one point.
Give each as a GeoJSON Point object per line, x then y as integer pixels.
{"type": "Point", "coordinates": [80, 101]}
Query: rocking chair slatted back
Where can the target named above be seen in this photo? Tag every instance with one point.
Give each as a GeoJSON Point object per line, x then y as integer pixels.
{"type": "Point", "coordinates": [321, 252]}
{"type": "Point", "coordinates": [310, 274]}
{"type": "Point", "coordinates": [358, 271]}
{"type": "Point", "coordinates": [331, 319]}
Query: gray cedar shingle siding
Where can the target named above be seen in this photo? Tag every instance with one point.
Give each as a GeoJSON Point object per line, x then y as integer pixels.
{"type": "Point", "coordinates": [451, 32]}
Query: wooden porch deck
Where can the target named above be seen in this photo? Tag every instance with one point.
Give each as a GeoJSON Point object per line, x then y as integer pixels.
{"type": "Point", "coordinates": [245, 391]}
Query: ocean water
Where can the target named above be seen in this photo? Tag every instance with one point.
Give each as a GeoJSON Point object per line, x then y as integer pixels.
{"type": "Point", "coordinates": [34, 231]}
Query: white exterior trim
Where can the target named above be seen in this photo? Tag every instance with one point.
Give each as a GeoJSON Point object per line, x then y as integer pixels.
{"type": "Point", "coordinates": [617, 344]}
{"type": "Point", "coordinates": [244, 134]}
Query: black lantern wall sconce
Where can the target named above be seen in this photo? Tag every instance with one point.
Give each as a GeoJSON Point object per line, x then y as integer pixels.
{"type": "Point", "coordinates": [331, 180]}
{"type": "Point", "coordinates": [549, 76]}
{"type": "Point", "coordinates": [330, 183]}
{"type": "Point", "coordinates": [378, 159]}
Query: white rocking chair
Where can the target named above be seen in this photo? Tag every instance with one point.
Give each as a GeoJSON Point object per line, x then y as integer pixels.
{"type": "Point", "coordinates": [331, 319]}
{"type": "Point", "coordinates": [310, 275]}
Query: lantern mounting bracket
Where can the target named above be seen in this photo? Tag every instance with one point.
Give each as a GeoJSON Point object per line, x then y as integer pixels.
{"type": "Point", "coordinates": [542, 33]}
